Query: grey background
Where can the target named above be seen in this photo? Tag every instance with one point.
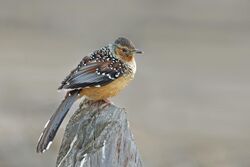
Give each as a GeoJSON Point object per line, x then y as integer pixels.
{"type": "Point", "coordinates": [189, 104]}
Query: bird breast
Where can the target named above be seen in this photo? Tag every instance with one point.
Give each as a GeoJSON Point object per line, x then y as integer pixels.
{"type": "Point", "coordinates": [109, 90]}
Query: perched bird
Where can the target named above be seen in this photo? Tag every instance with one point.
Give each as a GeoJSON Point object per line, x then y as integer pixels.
{"type": "Point", "coordinates": [99, 76]}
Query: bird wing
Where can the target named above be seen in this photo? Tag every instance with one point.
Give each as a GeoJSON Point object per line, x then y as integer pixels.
{"type": "Point", "coordinates": [95, 70]}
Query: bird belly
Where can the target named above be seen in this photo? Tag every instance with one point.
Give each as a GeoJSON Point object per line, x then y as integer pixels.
{"type": "Point", "coordinates": [109, 90]}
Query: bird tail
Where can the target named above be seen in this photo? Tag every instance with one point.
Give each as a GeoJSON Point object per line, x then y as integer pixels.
{"type": "Point", "coordinates": [55, 121]}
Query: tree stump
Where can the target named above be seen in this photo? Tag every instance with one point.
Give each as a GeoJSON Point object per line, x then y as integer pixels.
{"type": "Point", "coordinates": [98, 135]}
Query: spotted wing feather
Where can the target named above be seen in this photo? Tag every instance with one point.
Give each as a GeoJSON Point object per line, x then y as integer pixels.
{"type": "Point", "coordinates": [98, 69]}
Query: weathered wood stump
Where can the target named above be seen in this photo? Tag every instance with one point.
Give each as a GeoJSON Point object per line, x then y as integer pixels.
{"type": "Point", "coordinates": [98, 135]}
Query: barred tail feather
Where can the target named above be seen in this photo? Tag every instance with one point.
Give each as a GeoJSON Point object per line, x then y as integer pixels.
{"type": "Point", "coordinates": [51, 127]}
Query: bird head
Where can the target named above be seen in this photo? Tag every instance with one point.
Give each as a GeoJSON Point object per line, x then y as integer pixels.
{"type": "Point", "coordinates": [125, 49]}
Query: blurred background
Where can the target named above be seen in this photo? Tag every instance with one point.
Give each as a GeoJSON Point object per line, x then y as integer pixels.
{"type": "Point", "coordinates": [189, 105]}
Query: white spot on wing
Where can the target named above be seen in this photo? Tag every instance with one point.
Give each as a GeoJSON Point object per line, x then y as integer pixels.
{"type": "Point", "coordinates": [45, 126]}
{"type": "Point", "coordinates": [48, 146]}
{"type": "Point", "coordinates": [40, 137]}
{"type": "Point", "coordinates": [117, 75]}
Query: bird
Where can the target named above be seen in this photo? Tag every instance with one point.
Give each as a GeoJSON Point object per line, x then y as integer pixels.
{"type": "Point", "coordinates": [99, 76]}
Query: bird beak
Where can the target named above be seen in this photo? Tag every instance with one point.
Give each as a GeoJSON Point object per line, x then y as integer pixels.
{"type": "Point", "coordinates": [137, 51]}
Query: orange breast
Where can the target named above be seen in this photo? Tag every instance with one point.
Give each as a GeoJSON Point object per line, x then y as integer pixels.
{"type": "Point", "coordinates": [109, 90]}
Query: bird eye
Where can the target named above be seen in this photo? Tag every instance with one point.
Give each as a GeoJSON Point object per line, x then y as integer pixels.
{"type": "Point", "coordinates": [125, 50]}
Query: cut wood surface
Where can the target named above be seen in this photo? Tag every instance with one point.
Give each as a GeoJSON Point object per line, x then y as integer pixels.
{"type": "Point", "coordinates": [98, 135]}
